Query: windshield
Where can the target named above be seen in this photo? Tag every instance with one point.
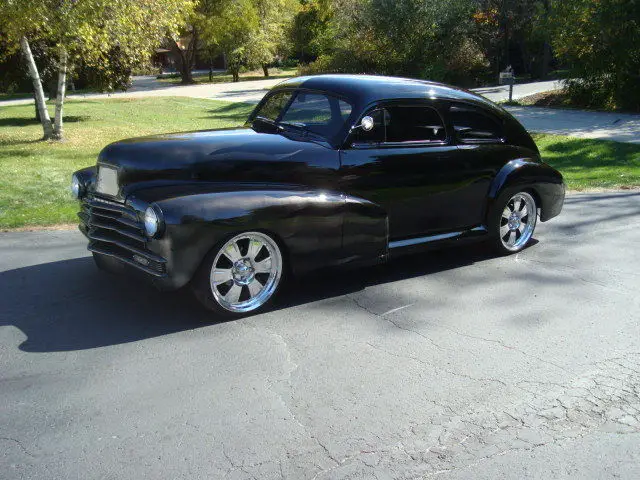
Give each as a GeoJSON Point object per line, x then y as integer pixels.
{"type": "Point", "coordinates": [312, 112]}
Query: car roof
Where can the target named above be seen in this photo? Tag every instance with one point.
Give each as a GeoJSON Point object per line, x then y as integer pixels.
{"type": "Point", "coordinates": [366, 89]}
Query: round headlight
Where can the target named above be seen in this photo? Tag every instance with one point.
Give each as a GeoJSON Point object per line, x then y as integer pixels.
{"type": "Point", "coordinates": [151, 222]}
{"type": "Point", "coordinates": [76, 187]}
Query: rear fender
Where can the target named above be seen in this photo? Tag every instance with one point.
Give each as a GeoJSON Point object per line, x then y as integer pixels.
{"type": "Point", "coordinates": [544, 181]}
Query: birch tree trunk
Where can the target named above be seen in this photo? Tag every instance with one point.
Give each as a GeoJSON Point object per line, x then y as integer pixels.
{"type": "Point", "coordinates": [58, 132]}
{"type": "Point", "coordinates": [37, 87]}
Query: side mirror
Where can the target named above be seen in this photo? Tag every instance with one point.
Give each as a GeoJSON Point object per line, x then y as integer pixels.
{"type": "Point", "coordinates": [367, 123]}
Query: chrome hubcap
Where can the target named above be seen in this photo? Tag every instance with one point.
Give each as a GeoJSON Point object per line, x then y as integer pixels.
{"type": "Point", "coordinates": [518, 221]}
{"type": "Point", "coordinates": [246, 272]}
{"type": "Point", "coordinates": [243, 272]}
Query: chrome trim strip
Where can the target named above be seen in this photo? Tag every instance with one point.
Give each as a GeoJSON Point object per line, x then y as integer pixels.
{"type": "Point", "coordinates": [433, 238]}
{"type": "Point", "coordinates": [416, 241]}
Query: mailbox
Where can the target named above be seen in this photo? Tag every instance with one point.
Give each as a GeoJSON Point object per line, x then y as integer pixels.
{"type": "Point", "coordinates": [507, 78]}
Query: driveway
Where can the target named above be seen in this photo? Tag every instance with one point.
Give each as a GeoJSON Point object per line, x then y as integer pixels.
{"type": "Point", "coordinates": [619, 127]}
{"type": "Point", "coordinates": [449, 365]}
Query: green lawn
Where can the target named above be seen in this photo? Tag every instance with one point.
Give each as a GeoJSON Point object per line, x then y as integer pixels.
{"type": "Point", "coordinates": [223, 77]}
{"type": "Point", "coordinates": [592, 164]}
{"type": "Point", "coordinates": [34, 175]}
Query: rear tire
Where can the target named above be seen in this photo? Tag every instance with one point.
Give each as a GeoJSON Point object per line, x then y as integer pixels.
{"type": "Point", "coordinates": [512, 221]}
{"type": "Point", "coordinates": [241, 275]}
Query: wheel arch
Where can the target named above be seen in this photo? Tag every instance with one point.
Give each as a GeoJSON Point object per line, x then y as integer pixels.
{"type": "Point", "coordinates": [305, 224]}
{"type": "Point", "coordinates": [541, 180]}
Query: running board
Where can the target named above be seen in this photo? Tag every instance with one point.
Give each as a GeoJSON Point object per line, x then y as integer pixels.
{"type": "Point", "coordinates": [435, 238]}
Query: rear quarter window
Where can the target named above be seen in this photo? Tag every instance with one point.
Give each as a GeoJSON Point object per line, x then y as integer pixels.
{"type": "Point", "coordinates": [475, 125]}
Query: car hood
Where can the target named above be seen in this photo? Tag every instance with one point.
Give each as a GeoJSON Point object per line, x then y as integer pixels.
{"type": "Point", "coordinates": [239, 155]}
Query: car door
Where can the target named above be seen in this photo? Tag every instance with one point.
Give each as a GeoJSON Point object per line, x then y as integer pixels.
{"type": "Point", "coordinates": [409, 164]}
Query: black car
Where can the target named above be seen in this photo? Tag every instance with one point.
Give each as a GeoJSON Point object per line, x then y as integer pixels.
{"type": "Point", "coordinates": [329, 170]}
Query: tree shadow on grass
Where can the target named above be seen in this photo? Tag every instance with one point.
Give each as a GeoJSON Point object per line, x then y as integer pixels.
{"type": "Point", "coordinates": [237, 112]}
{"type": "Point", "coordinates": [20, 153]}
{"type": "Point", "coordinates": [582, 155]}
{"type": "Point", "coordinates": [25, 122]}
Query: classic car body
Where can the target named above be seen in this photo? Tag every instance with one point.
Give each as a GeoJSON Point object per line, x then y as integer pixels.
{"type": "Point", "coordinates": [432, 166]}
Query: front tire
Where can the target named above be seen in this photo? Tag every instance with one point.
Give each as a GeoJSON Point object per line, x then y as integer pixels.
{"type": "Point", "coordinates": [513, 221]}
{"type": "Point", "coordinates": [241, 275]}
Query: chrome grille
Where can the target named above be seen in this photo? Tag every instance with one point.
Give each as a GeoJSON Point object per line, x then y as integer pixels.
{"type": "Point", "coordinates": [114, 229]}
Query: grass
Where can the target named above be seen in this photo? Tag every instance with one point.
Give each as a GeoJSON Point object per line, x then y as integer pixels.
{"type": "Point", "coordinates": [223, 77]}
{"type": "Point", "coordinates": [592, 164]}
{"type": "Point", "coordinates": [34, 175]}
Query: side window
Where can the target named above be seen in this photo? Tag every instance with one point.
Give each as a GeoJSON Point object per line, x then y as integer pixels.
{"type": "Point", "coordinates": [309, 108]}
{"type": "Point", "coordinates": [274, 104]}
{"type": "Point", "coordinates": [473, 125]}
{"type": "Point", "coordinates": [404, 124]}
{"type": "Point", "coordinates": [414, 124]}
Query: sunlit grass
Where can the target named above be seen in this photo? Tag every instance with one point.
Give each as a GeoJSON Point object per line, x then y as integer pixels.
{"type": "Point", "coordinates": [592, 164]}
{"type": "Point", "coordinates": [34, 175]}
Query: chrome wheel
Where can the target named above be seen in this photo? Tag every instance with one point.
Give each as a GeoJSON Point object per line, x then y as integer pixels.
{"type": "Point", "coordinates": [246, 272]}
{"type": "Point", "coordinates": [518, 221]}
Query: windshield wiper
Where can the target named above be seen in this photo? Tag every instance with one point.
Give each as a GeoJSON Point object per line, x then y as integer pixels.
{"type": "Point", "coordinates": [298, 125]}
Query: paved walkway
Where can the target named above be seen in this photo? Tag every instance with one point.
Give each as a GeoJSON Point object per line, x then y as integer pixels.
{"type": "Point", "coordinates": [600, 125]}
{"type": "Point", "coordinates": [619, 127]}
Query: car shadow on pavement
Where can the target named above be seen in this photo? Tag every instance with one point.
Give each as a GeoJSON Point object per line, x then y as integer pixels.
{"type": "Point", "coordinates": [70, 305]}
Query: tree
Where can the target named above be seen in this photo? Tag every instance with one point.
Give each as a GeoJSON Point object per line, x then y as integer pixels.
{"type": "Point", "coordinates": [249, 32]}
{"type": "Point", "coordinates": [309, 31]}
{"type": "Point", "coordinates": [226, 26]}
{"type": "Point", "coordinates": [185, 49]}
{"type": "Point", "coordinates": [86, 30]}
{"type": "Point", "coordinates": [514, 33]}
{"type": "Point", "coordinates": [274, 17]}
{"type": "Point", "coordinates": [403, 37]}
{"type": "Point", "coordinates": [600, 41]}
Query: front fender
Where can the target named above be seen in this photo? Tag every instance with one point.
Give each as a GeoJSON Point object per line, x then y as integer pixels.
{"type": "Point", "coordinates": [307, 223]}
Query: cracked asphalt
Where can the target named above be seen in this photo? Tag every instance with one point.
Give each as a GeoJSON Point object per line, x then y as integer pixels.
{"type": "Point", "coordinates": [453, 364]}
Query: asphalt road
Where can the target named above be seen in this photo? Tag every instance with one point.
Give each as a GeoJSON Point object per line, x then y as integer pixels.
{"type": "Point", "coordinates": [449, 365]}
